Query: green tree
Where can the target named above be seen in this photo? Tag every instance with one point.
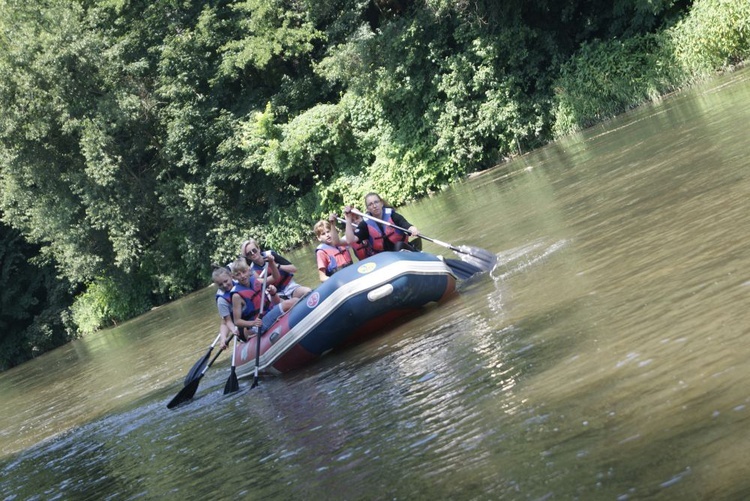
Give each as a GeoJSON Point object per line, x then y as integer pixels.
{"type": "Point", "coordinates": [33, 302]}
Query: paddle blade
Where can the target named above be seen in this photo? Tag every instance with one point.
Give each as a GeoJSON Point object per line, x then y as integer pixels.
{"type": "Point", "coordinates": [462, 270]}
{"type": "Point", "coordinates": [480, 258]}
{"type": "Point", "coordinates": [197, 368]}
{"type": "Point", "coordinates": [185, 393]}
{"type": "Point", "coordinates": [256, 379]}
{"type": "Point", "coordinates": [232, 383]}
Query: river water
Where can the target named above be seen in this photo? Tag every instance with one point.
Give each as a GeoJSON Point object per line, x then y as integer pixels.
{"type": "Point", "coordinates": [604, 358]}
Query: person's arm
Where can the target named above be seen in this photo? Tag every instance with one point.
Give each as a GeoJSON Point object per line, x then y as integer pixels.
{"type": "Point", "coordinates": [272, 275]}
{"type": "Point", "coordinates": [275, 299]}
{"type": "Point", "coordinates": [227, 326]}
{"type": "Point", "coordinates": [227, 330]}
{"type": "Point", "coordinates": [224, 307]}
{"type": "Point", "coordinates": [230, 324]}
{"type": "Point", "coordinates": [349, 228]}
{"type": "Point", "coordinates": [401, 221]}
{"type": "Point", "coordinates": [284, 264]}
{"type": "Point", "coordinates": [336, 240]}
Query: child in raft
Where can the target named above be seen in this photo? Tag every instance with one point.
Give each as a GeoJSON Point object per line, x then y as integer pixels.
{"type": "Point", "coordinates": [331, 255]}
{"type": "Point", "coordinates": [222, 278]}
{"type": "Point", "coordinates": [246, 298]}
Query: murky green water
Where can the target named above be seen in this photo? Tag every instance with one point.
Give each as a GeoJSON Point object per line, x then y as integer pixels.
{"type": "Point", "coordinates": [605, 358]}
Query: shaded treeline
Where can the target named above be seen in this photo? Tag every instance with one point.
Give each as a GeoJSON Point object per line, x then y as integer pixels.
{"type": "Point", "coordinates": [141, 140]}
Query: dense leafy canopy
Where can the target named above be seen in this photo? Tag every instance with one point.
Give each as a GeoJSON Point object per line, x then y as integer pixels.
{"type": "Point", "coordinates": [33, 301]}
{"type": "Point", "coordinates": [141, 140]}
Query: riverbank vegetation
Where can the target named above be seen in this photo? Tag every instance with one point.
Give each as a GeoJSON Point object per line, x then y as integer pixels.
{"type": "Point", "coordinates": [140, 141]}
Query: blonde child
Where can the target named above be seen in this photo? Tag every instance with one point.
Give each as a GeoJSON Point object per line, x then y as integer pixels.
{"type": "Point", "coordinates": [222, 278]}
{"type": "Point", "coordinates": [246, 298]}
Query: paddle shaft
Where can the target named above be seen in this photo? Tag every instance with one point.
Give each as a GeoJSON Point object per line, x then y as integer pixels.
{"type": "Point", "coordinates": [462, 270]}
{"type": "Point", "coordinates": [212, 361]}
{"type": "Point", "coordinates": [433, 240]}
{"type": "Point", "coordinates": [481, 259]}
{"type": "Point", "coordinates": [198, 366]}
{"type": "Point", "coordinates": [260, 329]}
{"type": "Point", "coordinates": [218, 336]}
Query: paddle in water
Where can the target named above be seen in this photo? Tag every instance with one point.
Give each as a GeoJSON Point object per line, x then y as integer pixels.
{"type": "Point", "coordinates": [187, 392]}
{"type": "Point", "coordinates": [478, 260]}
{"type": "Point", "coordinates": [232, 383]}
{"type": "Point", "coordinates": [201, 363]}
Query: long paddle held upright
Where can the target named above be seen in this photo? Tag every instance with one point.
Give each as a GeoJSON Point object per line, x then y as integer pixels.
{"type": "Point", "coordinates": [481, 260]}
{"type": "Point", "coordinates": [260, 330]}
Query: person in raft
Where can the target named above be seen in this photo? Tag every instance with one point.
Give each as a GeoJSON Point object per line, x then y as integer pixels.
{"type": "Point", "coordinates": [380, 237]}
{"type": "Point", "coordinates": [332, 254]}
{"type": "Point", "coordinates": [287, 287]}
{"type": "Point", "coordinates": [361, 247]}
{"type": "Point", "coordinates": [246, 298]}
{"type": "Point", "coordinates": [222, 278]}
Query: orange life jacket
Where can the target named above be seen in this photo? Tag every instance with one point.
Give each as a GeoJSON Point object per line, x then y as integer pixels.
{"type": "Point", "coordinates": [378, 235]}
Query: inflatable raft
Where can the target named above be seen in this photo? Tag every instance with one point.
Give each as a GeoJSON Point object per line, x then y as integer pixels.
{"type": "Point", "coordinates": [354, 303]}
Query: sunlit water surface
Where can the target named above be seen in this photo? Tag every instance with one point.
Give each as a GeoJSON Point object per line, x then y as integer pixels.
{"type": "Point", "coordinates": [606, 357]}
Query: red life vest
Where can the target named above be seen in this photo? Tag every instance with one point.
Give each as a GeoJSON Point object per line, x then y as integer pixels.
{"type": "Point", "coordinates": [377, 235]}
{"type": "Point", "coordinates": [251, 295]}
{"type": "Point", "coordinates": [362, 250]}
{"type": "Point", "coordinates": [338, 257]}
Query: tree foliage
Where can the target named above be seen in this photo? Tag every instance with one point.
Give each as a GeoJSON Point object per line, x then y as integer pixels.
{"type": "Point", "coordinates": [33, 302]}
{"type": "Point", "coordinates": [606, 77]}
{"type": "Point", "coordinates": [141, 140]}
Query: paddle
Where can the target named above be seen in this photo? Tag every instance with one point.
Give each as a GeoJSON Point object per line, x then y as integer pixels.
{"type": "Point", "coordinates": [463, 271]}
{"type": "Point", "coordinates": [480, 260]}
{"type": "Point", "coordinates": [260, 329]}
{"type": "Point", "coordinates": [187, 392]}
{"type": "Point", "coordinates": [201, 363]}
{"type": "Point", "coordinates": [232, 383]}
